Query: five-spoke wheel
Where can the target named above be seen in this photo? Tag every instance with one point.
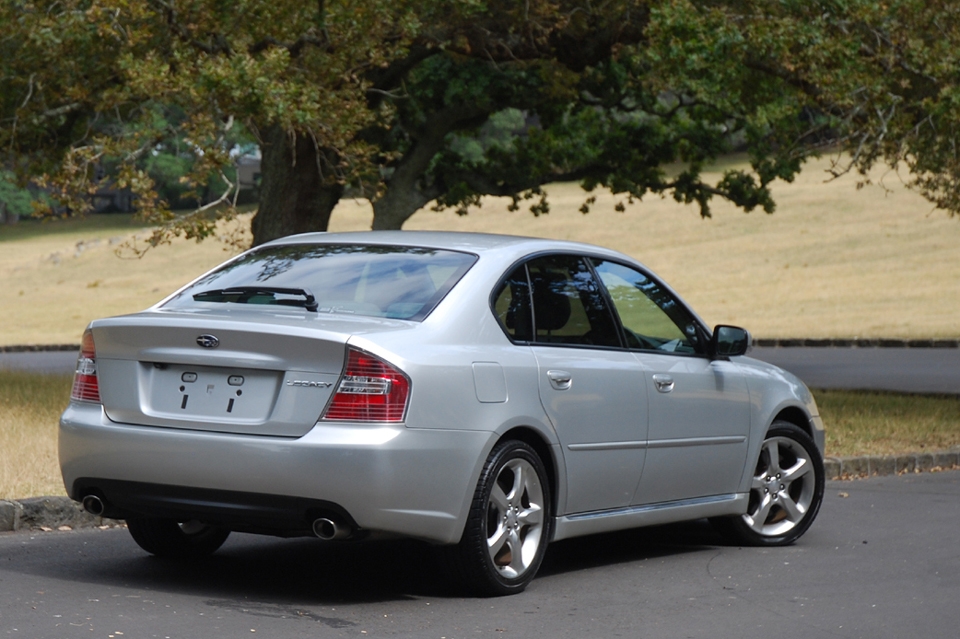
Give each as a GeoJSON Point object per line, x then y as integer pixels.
{"type": "Point", "coordinates": [509, 523]}
{"type": "Point", "coordinates": [785, 492]}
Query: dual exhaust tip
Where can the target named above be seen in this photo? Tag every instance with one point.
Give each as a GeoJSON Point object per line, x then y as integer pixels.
{"type": "Point", "coordinates": [93, 505]}
{"type": "Point", "coordinates": [330, 529]}
{"type": "Point", "coordinates": [324, 528]}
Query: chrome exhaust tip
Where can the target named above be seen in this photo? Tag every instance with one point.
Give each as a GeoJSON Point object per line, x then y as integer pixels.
{"type": "Point", "coordinates": [329, 529]}
{"type": "Point", "coordinates": [93, 505]}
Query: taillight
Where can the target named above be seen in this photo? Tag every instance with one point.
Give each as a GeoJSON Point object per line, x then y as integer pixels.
{"type": "Point", "coordinates": [86, 386]}
{"type": "Point", "coordinates": [370, 391]}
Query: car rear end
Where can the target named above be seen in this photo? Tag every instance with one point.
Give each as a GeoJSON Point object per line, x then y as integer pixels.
{"type": "Point", "coordinates": [256, 399]}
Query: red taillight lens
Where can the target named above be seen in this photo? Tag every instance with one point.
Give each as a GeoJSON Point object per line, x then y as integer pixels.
{"type": "Point", "coordinates": [370, 391]}
{"type": "Point", "coordinates": [86, 386]}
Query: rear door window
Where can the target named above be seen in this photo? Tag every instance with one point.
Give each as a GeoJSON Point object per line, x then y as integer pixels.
{"type": "Point", "coordinates": [555, 299]}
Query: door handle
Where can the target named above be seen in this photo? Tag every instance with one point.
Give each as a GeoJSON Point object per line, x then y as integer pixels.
{"type": "Point", "coordinates": [663, 382]}
{"type": "Point", "coordinates": [560, 380]}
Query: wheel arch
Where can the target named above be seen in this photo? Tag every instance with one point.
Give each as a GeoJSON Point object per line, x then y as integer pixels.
{"type": "Point", "coordinates": [796, 416]}
{"type": "Point", "coordinates": [535, 440]}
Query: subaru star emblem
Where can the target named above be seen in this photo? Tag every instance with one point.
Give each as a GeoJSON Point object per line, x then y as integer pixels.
{"type": "Point", "coordinates": [208, 341]}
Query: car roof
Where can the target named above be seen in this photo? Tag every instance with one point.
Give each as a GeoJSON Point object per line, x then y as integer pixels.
{"type": "Point", "coordinates": [482, 244]}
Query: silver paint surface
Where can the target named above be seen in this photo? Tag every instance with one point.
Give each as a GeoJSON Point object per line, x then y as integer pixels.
{"type": "Point", "coordinates": [626, 450]}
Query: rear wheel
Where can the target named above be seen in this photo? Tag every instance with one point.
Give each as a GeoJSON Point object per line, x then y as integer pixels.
{"type": "Point", "coordinates": [169, 538]}
{"type": "Point", "coordinates": [509, 523]}
{"type": "Point", "coordinates": [785, 493]}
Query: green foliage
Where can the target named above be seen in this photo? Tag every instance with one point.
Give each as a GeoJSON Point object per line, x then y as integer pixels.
{"type": "Point", "coordinates": [80, 81]}
{"type": "Point", "coordinates": [17, 201]}
{"type": "Point", "coordinates": [782, 81]}
{"type": "Point", "coordinates": [878, 78]}
{"type": "Point", "coordinates": [448, 100]}
{"type": "Point", "coordinates": [621, 130]}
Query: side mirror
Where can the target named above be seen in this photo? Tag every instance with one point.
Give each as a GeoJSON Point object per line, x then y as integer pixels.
{"type": "Point", "coordinates": [730, 341]}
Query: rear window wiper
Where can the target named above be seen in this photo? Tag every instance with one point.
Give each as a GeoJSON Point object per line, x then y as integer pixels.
{"type": "Point", "coordinates": [259, 295]}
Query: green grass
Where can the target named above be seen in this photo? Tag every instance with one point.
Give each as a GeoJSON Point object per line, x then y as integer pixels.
{"type": "Point", "coordinates": [856, 424]}
{"type": "Point", "coordinates": [888, 423]}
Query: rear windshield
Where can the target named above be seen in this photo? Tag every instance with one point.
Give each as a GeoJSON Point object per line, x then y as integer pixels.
{"type": "Point", "coordinates": [399, 282]}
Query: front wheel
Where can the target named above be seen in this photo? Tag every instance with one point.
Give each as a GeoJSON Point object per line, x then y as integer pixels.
{"type": "Point", "coordinates": [785, 493]}
{"type": "Point", "coordinates": [509, 524]}
{"type": "Point", "coordinates": [169, 538]}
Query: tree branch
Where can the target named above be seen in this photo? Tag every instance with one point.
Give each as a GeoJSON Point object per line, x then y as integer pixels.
{"type": "Point", "coordinates": [310, 38]}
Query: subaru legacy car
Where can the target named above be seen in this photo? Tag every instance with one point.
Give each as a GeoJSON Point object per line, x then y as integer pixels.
{"type": "Point", "coordinates": [486, 393]}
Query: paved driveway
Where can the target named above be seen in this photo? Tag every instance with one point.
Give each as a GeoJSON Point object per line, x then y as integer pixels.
{"type": "Point", "coordinates": [882, 561]}
{"type": "Point", "coordinates": [64, 362]}
{"type": "Point", "coordinates": [912, 370]}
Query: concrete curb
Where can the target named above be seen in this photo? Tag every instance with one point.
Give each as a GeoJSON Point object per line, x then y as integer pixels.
{"type": "Point", "coordinates": [856, 343]}
{"type": "Point", "coordinates": [48, 513]}
{"type": "Point", "coordinates": [38, 348]}
{"type": "Point", "coordinates": [62, 513]}
{"type": "Point", "coordinates": [872, 465]}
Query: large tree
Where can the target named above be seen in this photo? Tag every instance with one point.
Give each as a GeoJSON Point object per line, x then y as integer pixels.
{"type": "Point", "coordinates": [869, 82]}
{"type": "Point", "coordinates": [399, 97]}
{"type": "Point", "coordinates": [81, 80]}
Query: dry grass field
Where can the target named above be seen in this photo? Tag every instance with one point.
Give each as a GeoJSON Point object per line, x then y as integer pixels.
{"type": "Point", "coordinates": [30, 406]}
{"type": "Point", "coordinates": [833, 261]}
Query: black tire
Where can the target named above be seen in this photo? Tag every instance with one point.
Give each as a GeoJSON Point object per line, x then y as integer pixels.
{"type": "Point", "coordinates": [785, 493]}
{"type": "Point", "coordinates": [168, 538]}
{"type": "Point", "coordinates": [509, 524]}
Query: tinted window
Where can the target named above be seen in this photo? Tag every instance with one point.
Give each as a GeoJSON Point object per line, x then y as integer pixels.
{"type": "Point", "coordinates": [568, 303]}
{"type": "Point", "coordinates": [511, 303]}
{"type": "Point", "coordinates": [381, 281]}
{"type": "Point", "coordinates": [652, 318]}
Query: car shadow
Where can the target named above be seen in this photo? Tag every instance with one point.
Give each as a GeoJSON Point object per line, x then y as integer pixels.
{"type": "Point", "coordinates": [638, 544]}
{"type": "Point", "coordinates": [251, 568]}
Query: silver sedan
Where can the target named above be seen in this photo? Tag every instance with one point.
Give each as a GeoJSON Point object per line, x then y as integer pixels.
{"type": "Point", "coordinates": [486, 393]}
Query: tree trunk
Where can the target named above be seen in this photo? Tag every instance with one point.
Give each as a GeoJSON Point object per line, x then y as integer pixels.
{"type": "Point", "coordinates": [298, 188]}
{"type": "Point", "coordinates": [402, 199]}
{"type": "Point", "coordinates": [405, 194]}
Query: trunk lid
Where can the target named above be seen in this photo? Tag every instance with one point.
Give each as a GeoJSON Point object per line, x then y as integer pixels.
{"type": "Point", "coordinates": [259, 373]}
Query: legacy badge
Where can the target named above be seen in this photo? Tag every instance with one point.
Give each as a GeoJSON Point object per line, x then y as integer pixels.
{"type": "Point", "coordinates": [308, 384]}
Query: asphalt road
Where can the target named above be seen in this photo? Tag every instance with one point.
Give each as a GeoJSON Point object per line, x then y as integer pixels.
{"type": "Point", "coordinates": [914, 370]}
{"type": "Point", "coordinates": [40, 362]}
{"type": "Point", "coordinates": [882, 560]}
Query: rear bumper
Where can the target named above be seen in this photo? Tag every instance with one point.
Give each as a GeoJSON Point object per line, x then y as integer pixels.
{"type": "Point", "coordinates": [391, 479]}
{"type": "Point", "coordinates": [261, 513]}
